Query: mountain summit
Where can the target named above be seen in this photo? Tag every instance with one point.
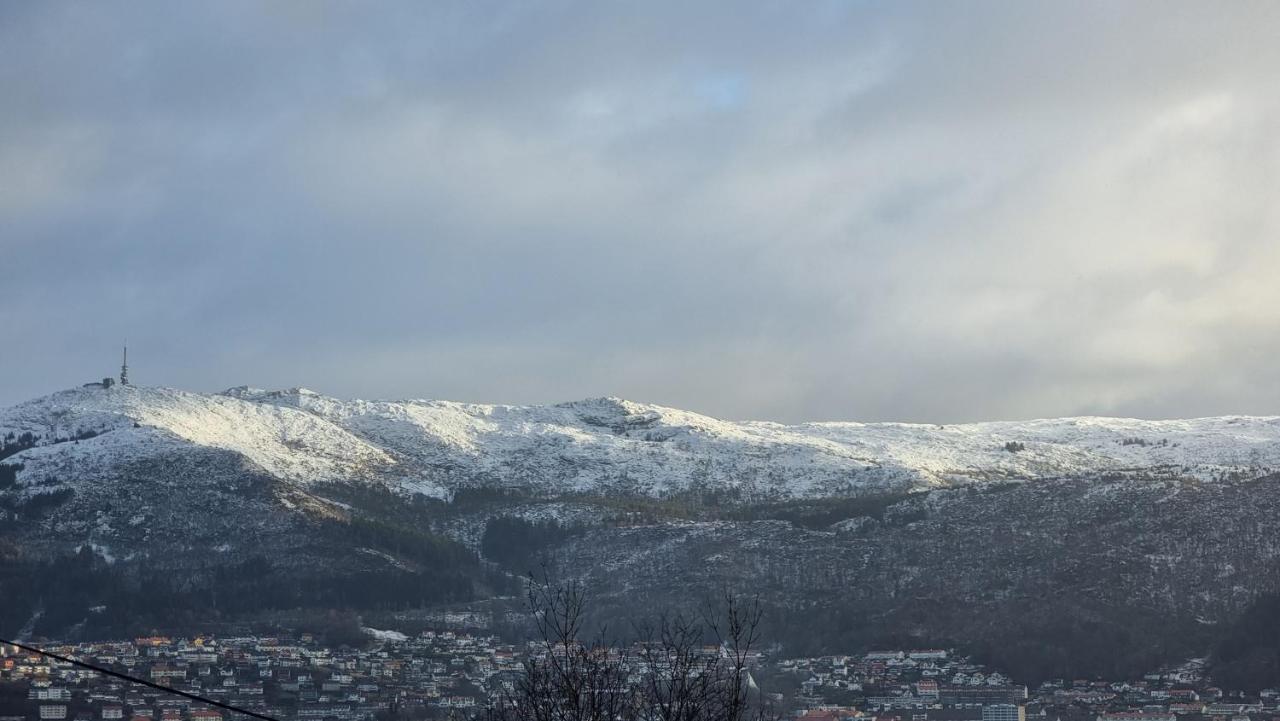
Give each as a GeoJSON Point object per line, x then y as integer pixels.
{"type": "Point", "coordinates": [599, 445]}
{"type": "Point", "coordinates": [1083, 545]}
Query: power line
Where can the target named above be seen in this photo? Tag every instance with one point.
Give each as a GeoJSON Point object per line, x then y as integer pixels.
{"type": "Point", "coordinates": [135, 679]}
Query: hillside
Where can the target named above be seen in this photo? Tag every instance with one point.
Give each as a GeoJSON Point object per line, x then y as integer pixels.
{"type": "Point", "coordinates": [1065, 547]}
{"type": "Point", "coordinates": [604, 445]}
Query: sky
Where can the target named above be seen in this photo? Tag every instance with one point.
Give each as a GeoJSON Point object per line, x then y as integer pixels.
{"type": "Point", "coordinates": [933, 212]}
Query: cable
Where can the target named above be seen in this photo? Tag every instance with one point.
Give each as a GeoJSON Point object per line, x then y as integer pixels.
{"type": "Point", "coordinates": [135, 679]}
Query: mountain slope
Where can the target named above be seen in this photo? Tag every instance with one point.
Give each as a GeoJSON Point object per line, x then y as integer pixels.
{"type": "Point", "coordinates": [1060, 578]}
{"type": "Point", "coordinates": [608, 445]}
{"type": "Point", "coordinates": [604, 443]}
{"type": "Point", "coordinates": [84, 431]}
{"type": "Point", "coordinates": [1071, 530]}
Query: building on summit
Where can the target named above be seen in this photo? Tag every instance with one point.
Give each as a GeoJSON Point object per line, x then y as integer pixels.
{"type": "Point", "coordinates": [109, 381]}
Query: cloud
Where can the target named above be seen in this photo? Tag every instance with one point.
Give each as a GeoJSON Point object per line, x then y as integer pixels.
{"type": "Point", "coordinates": [761, 210]}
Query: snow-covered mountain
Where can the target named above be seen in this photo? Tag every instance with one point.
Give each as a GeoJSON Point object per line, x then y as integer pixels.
{"type": "Point", "coordinates": [1124, 542]}
{"type": "Point", "coordinates": [603, 445]}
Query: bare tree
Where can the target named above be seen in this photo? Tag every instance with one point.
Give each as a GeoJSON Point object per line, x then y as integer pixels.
{"type": "Point", "coordinates": [679, 669]}
{"type": "Point", "coordinates": [564, 678]}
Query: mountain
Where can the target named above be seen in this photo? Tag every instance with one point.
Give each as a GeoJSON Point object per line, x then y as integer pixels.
{"type": "Point", "coordinates": [603, 445]}
{"type": "Point", "coordinates": [1063, 546]}
{"type": "Point", "coordinates": [1060, 578]}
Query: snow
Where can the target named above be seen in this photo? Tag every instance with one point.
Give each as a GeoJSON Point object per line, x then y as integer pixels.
{"type": "Point", "coordinates": [100, 550]}
{"type": "Point", "coordinates": [390, 559]}
{"type": "Point", "coordinates": [385, 636]}
{"type": "Point", "coordinates": [609, 444]}
{"type": "Point", "coordinates": [136, 422]}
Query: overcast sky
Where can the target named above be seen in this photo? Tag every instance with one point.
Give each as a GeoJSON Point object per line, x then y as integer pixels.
{"type": "Point", "coordinates": [782, 210]}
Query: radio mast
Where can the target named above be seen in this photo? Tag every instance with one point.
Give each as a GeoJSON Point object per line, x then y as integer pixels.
{"type": "Point", "coordinates": [124, 366]}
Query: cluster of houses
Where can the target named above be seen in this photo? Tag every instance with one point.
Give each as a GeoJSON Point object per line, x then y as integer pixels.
{"type": "Point", "coordinates": [935, 685]}
{"type": "Point", "coordinates": [456, 674]}
{"type": "Point", "coordinates": [917, 685]}
{"type": "Point", "coordinates": [433, 674]}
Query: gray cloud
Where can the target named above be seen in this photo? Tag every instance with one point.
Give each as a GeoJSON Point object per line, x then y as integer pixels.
{"type": "Point", "coordinates": [829, 210]}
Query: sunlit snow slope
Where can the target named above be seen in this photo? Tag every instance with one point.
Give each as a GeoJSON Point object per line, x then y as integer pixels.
{"type": "Point", "coordinates": [608, 444]}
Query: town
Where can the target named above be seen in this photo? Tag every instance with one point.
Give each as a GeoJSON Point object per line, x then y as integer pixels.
{"type": "Point", "coordinates": [460, 673]}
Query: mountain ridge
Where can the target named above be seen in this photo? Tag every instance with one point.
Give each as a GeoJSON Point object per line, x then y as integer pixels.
{"type": "Point", "coordinates": [1120, 543]}
{"type": "Point", "coordinates": [609, 444]}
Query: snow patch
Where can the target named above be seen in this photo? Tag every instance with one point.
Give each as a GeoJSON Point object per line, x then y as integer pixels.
{"type": "Point", "coordinates": [98, 549]}
{"type": "Point", "coordinates": [385, 636]}
{"type": "Point", "coordinates": [386, 557]}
